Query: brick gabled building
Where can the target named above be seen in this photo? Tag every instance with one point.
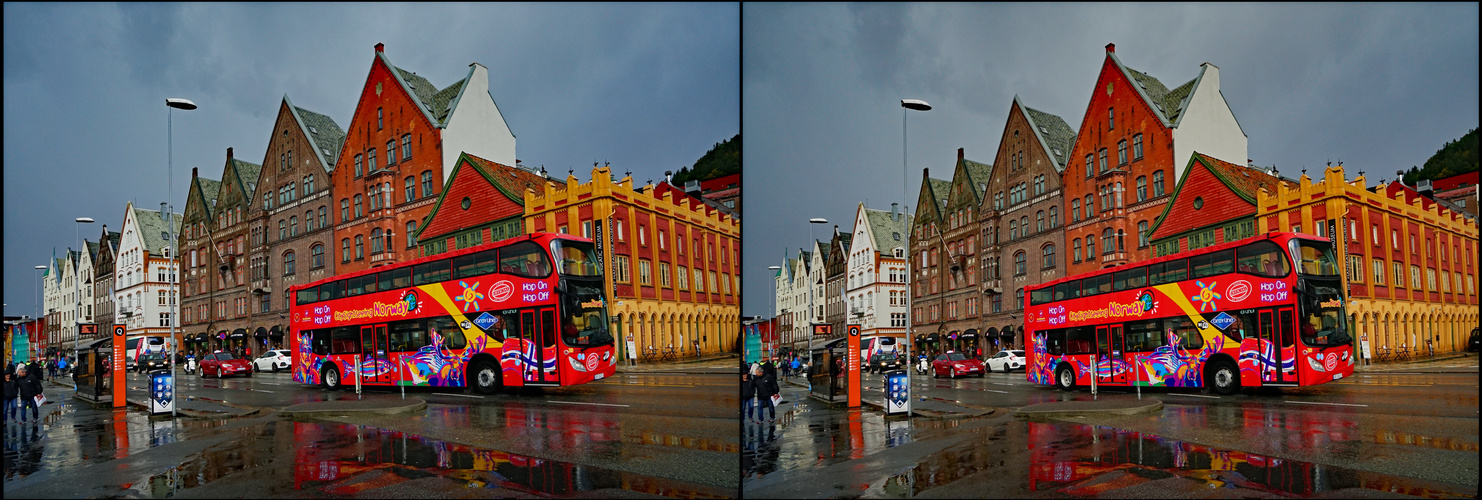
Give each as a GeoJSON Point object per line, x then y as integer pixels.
{"type": "Point", "coordinates": [400, 147]}
{"type": "Point", "coordinates": [1214, 202]}
{"type": "Point", "coordinates": [232, 303]}
{"type": "Point", "coordinates": [201, 263]}
{"type": "Point", "coordinates": [103, 265]}
{"type": "Point", "coordinates": [836, 309]}
{"type": "Point", "coordinates": [1138, 133]}
{"type": "Point", "coordinates": [1023, 230]}
{"type": "Point", "coordinates": [924, 260]}
{"type": "Point", "coordinates": [484, 201]}
{"type": "Point", "coordinates": [955, 240]}
{"type": "Point", "coordinates": [292, 237]}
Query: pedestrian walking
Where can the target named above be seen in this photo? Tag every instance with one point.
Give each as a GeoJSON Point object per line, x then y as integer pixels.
{"type": "Point", "coordinates": [51, 369]}
{"type": "Point", "coordinates": [28, 386]}
{"type": "Point", "coordinates": [793, 368]}
{"type": "Point", "coordinates": [766, 388]}
{"type": "Point", "coordinates": [748, 396]}
{"type": "Point", "coordinates": [10, 392]}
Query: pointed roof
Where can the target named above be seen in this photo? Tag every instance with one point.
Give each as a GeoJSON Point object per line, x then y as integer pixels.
{"type": "Point", "coordinates": [1055, 136]}
{"type": "Point", "coordinates": [209, 189]}
{"type": "Point", "coordinates": [435, 104]}
{"type": "Point", "coordinates": [509, 181]}
{"type": "Point", "coordinates": [152, 227]}
{"type": "Point", "coordinates": [92, 249]}
{"type": "Point", "coordinates": [890, 232]}
{"type": "Point", "coordinates": [327, 135]}
{"type": "Point", "coordinates": [978, 175]}
{"type": "Point", "coordinates": [1244, 181]}
{"type": "Point", "coordinates": [247, 174]}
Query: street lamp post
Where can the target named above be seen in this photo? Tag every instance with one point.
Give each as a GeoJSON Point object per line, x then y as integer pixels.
{"type": "Point", "coordinates": [77, 313]}
{"type": "Point", "coordinates": [172, 104]}
{"type": "Point", "coordinates": [775, 314]}
{"type": "Point", "coordinates": [811, 293]}
{"type": "Point", "coordinates": [29, 345]}
{"type": "Point", "coordinates": [918, 105]}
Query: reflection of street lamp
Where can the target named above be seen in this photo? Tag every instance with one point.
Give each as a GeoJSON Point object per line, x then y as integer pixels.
{"type": "Point", "coordinates": [172, 103]}
{"type": "Point", "coordinates": [77, 315]}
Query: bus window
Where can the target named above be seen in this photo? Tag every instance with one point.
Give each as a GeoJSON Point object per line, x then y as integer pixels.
{"type": "Point", "coordinates": [431, 272]}
{"type": "Point", "coordinates": [1129, 279]}
{"type": "Point", "coordinates": [1040, 296]}
{"type": "Point", "coordinates": [524, 259]}
{"type": "Point", "coordinates": [463, 266]}
{"type": "Point", "coordinates": [1183, 330]}
{"type": "Point", "coordinates": [1072, 289]}
{"type": "Point", "coordinates": [1285, 326]}
{"type": "Point", "coordinates": [319, 341]}
{"type": "Point", "coordinates": [1169, 272]}
{"type": "Point", "coordinates": [1062, 291]}
{"type": "Point", "coordinates": [345, 340]}
{"type": "Point", "coordinates": [444, 326]}
{"type": "Point", "coordinates": [506, 325]}
{"type": "Point", "coordinates": [547, 327]}
{"type": "Point", "coordinates": [408, 335]}
{"type": "Point", "coordinates": [332, 290]}
{"type": "Point", "coordinates": [1096, 284]}
{"type": "Point", "coordinates": [1212, 264]}
{"type": "Point", "coordinates": [1262, 258]}
{"type": "Point", "coordinates": [369, 282]}
{"type": "Point", "coordinates": [486, 262]}
{"type": "Point", "coordinates": [1144, 336]}
{"type": "Point", "coordinates": [307, 295]}
{"type": "Point", "coordinates": [1244, 326]}
{"type": "Point", "coordinates": [399, 278]}
{"type": "Point", "coordinates": [1316, 258]}
{"type": "Point", "coordinates": [1055, 342]}
{"type": "Point", "coordinates": [576, 258]}
{"type": "Point", "coordinates": [354, 286]}
{"type": "Point", "coordinates": [582, 322]}
{"type": "Point", "coordinates": [1078, 340]}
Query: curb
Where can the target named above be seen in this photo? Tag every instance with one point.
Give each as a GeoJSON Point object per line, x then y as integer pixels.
{"type": "Point", "coordinates": [144, 405]}
{"type": "Point", "coordinates": [308, 409]}
{"type": "Point", "coordinates": [1048, 410]}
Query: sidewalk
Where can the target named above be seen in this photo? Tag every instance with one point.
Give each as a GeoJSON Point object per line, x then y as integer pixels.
{"type": "Point", "coordinates": [1421, 363]}
{"type": "Point", "coordinates": [726, 362]}
{"type": "Point", "coordinates": [190, 407]}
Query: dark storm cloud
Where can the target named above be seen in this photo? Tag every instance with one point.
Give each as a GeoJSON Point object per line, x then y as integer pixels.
{"type": "Point", "coordinates": [648, 87]}
{"type": "Point", "coordinates": [1380, 86]}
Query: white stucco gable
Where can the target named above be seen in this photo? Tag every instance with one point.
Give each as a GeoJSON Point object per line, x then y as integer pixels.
{"type": "Point", "coordinates": [1207, 125]}
{"type": "Point", "coordinates": [475, 125]}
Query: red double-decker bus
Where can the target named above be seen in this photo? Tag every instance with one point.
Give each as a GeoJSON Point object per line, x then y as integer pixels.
{"type": "Point", "coordinates": [1262, 311]}
{"type": "Point", "coordinates": [526, 311]}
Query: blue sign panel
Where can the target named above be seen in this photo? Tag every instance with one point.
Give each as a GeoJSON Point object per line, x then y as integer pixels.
{"type": "Point", "coordinates": [161, 392]}
{"type": "Point", "coordinates": [1222, 321]}
{"type": "Point", "coordinates": [484, 320]}
{"type": "Point", "coordinates": [897, 392]}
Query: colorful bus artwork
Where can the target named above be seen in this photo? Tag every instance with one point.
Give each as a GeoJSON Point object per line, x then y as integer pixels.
{"type": "Point", "coordinates": [1262, 311]}
{"type": "Point", "coordinates": [526, 311]}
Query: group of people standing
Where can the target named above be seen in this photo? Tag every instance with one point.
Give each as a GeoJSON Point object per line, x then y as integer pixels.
{"type": "Point", "coordinates": [22, 386]}
{"type": "Point", "coordinates": [758, 391]}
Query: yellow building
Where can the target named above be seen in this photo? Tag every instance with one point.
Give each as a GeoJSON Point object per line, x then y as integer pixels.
{"type": "Point", "coordinates": [1410, 264]}
{"type": "Point", "coordinates": [673, 262]}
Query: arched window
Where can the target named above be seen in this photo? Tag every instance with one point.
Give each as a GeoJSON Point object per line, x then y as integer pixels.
{"type": "Point", "coordinates": [288, 263]}
{"type": "Point", "coordinates": [387, 243]}
{"type": "Point", "coordinates": [309, 220]}
{"type": "Point", "coordinates": [1142, 234]}
{"type": "Point", "coordinates": [293, 226]}
{"type": "Point", "coordinates": [410, 189]}
{"type": "Point", "coordinates": [1024, 225]}
{"type": "Point", "coordinates": [1121, 244]}
{"type": "Point", "coordinates": [358, 206]}
{"type": "Point", "coordinates": [376, 241]}
{"type": "Point", "coordinates": [344, 209]}
{"type": "Point", "coordinates": [1048, 256]}
{"type": "Point", "coordinates": [1122, 152]}
{"type": "Point", "coordinates": [316, 256]}
{"type": "Point", "coordinates": [1118, 194]}
{"type": "Point", "coordinates": [1019, 299]}
{"type": "Point", "coordinates": [1088, 207]}
{"type": "Point", "coordinates": [1088, 166]}
{"type": "Point", "coordinates": [1019, 263]}
{"type": "Point", "coordinates": [1101, 160]}
{"type": "Point", "coordinates": [1090, 247]}
{"type": "Point", "coordinates": [322, 216]}
{"type": "Point", "coordinates": [426, 183]}
{"type": "Point", "coordinates": [1054, 217]}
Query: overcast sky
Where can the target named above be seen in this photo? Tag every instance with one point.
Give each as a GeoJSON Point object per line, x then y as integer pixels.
{"type": "Point", "coordinates": [648, 88]}
{"type": "Point", "coordinates": [1381, 87]}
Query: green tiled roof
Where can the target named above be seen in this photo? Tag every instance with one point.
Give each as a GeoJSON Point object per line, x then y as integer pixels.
{"type": "Point", "coordinates": [247, 174]}
{"type": "Point", "coordinates": [152, 227]}
{"type": "Point", "coordinates": [327, 135]}
{"type": "Point", "coordinates": [978, 175]}
{"type": "Point", "coordinates": [209, 189]}
{"type": "Point", "coordinates": [423, 89]}
{"type": "Point", "coordinates": [92, 249]}
{"type": "Point", "coordinates": [1168, 103]}
{"type": "Point", "coordinates": [1054, 134]}
{"type": "Point", "coordinates": [939, 190]}
{"type": "Point", "coordinates": [845, 239]}
{"type": "Point", "coordinates": [888, 232]}
{"type": "Point", "coordinates": [442, 101]}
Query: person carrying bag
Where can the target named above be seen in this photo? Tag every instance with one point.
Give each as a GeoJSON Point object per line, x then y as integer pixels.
{"type": "Point", "coordinates": [29, 386]}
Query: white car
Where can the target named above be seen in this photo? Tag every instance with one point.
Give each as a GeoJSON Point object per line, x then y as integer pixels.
{"type": "Point", "coordinates": [1005, 361]}
{"type": "Point", "coordinates": [275, 360]}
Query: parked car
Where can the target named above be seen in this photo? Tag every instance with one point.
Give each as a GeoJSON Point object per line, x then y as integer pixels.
{"type": "Point", "coordinates": [884, 361]}
{"type": "Point", "coordinates": [149, 362]}
{"type": "Point", "coordinates": [223, 363]}
{"type": "Point", "coordinates": [1475, 343]}
{"type": "Point", "coordinates": [1005, 361]}
{"type": "Point", "coordinates": [953, 363]}
{"type": "Point", "coordinates": [275, 360]}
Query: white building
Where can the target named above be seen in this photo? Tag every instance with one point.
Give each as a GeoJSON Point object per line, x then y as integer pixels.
{"type": "Point", "coordinates": [76, 281]}
{"type": "Point", "coordinates": [53, 299]}
{"type": "Point", "coordinates": [877, 282]}
{"type": "Point", "coordinates": [142, 273]}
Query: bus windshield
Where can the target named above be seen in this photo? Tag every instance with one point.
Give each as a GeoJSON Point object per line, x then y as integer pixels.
{"type": "Point", "coordinates": [575, 258]}
{"type": "Point", "coordinates": [585, 321]}
{"type": "Point", "coordinates": [1315, 258]}
{"type": "Point", "coordinates": [1322, 322]}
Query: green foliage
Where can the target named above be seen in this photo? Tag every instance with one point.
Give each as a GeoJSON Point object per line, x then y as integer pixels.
{"type": "Point", "coordinates": [1456, 157]}
{"type": "Point", "coordinates": [722, 160]}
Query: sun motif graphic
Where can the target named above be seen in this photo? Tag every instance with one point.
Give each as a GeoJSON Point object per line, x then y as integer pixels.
{"type": "Point", "coordinates": [470, 296]}
{"type": "Point", "coordinates": [1206, 296]}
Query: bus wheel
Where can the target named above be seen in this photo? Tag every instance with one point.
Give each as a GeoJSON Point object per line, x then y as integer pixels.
{"type": "Point", "coordinates": [330, 378]}
{"type": "Point", "coordinates": [1065, 378]}
{"type": "Point", "coordinates": [1225, 378]}
{"type": "Point", "coordinates": [484, 376]}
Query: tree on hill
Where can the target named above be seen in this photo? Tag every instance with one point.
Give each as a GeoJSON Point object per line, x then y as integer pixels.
{"type": "Point", "coordinates": [723, 159]}
{"type": "Point", "coordinates": [1456, 157]}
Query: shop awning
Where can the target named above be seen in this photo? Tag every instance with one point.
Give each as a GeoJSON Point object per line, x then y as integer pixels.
{"type": "Point", "coordinates": [970, 334]}
{"type": "Point", "coordinates": [1007, 332]}
{"type": "Point", "coordinates": [260, 332]}
{"type": "Point", "coordinates": [931, 337]}
{"type": "Point", "coordinates": [239, 333]}
{"type": "Point", "coordinates": [276, 332]}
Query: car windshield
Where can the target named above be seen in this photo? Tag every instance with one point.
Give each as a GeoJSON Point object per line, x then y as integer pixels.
{"type": "Point", "coordinates": [223, 356]}
{"type": "Point", "coordinates": [154, 357]}
{"type": "Point", "coordinates": [955, 356]}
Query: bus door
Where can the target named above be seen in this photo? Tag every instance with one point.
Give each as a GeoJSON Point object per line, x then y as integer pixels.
{"type": "Point", "coordinates": [548, 346]}
{"type": "Point", "coordinates": [1109, 349]}
{"type": "Point", "coordinates": [373, 353]}
{"type": "Point", "coordinates": [1277, 328]}
{"type": "Point", "coordinates": [538, 330]}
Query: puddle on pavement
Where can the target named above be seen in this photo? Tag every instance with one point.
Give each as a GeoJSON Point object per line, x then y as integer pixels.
{"type": "Point", "coordinates": [93, 435]}
{"type": "Point", "coordinates": [347, 460]}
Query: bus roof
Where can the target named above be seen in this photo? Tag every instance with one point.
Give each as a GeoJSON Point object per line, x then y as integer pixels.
{"type": "Point", "coordinates": [1181, 255]}
{"type": "Point", "coordinates": [445, 255]}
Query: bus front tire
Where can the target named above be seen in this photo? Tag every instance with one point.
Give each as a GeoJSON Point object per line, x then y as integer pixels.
{"type": "Point", "coordinates": [484, 377]}
{"type": "Point", "coordinates": [330, 378]}
{"type": "Point", "coordinates": [1065, 378]}
{"type": "Point", "coordinates": [1224, 378]}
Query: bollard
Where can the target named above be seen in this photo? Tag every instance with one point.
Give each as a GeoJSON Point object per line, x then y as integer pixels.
{"type": "Point", "coordinates": [1137, 378]}
{"type": "Point", "coordinates": [401, 380]}
{"type": "Point", "coordinates": [357, 376]}
{"type": "Point", "coordinates": [1095, 371]}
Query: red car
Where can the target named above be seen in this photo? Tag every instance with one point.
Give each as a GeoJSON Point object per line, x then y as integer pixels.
{"type": "Point", "coordinates": [223, 364]}
{"type": "Point", "coordinates": [953, 363]}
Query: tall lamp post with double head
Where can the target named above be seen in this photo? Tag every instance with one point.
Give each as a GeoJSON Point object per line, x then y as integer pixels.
{"type": "Point", "coordinates": [172, 104]}
{"type": "Point", "coordinates": [77, 313]}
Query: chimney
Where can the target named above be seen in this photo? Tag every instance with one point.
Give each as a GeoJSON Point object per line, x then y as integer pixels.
{"type": "Point", "coordinates": [895, 210]}
{"type": "Point", "coordinates": [959, 155]}
{"type": "Point", "coordinates": [228, 153]}
{"type": "Point", "coordinates": [1425, 189]}
{"type": "Point", "coordinates": [667, 174]}
{"type": "Point", "coordinates": [194, 172]}
{"type": "Point", "coordinates": [1110, 48]}
{"type": "Point", "coordinates": [380, 47]}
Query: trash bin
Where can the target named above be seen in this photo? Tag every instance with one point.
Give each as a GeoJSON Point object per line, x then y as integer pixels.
{"type": "Point", "coordinates": [161, 392]}
{"type": "Point", "coordinates": [897, 392]}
